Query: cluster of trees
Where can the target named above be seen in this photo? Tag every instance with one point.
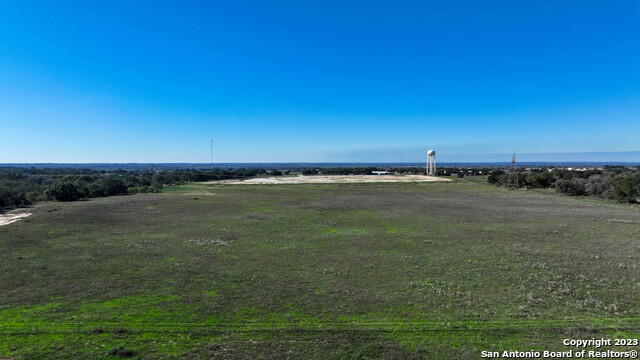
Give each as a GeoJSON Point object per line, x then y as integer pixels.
{"type": "Point", "coordinates": [69, 190]}
{"type": "Point", "coordinates": [614, 183]}
{"type": "Point", "coordinates": [20, 187]}
{"type": "Point", "coordinates": [26, 186]}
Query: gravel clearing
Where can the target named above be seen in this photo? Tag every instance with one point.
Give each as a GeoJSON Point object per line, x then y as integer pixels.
{"type": "Point", "coordinates": [331, 179]}
{"type": "Point", "coordinates": [6, 219]}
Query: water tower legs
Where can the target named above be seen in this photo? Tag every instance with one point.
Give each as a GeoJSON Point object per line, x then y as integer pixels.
{"type": "Point", "coordinates": [431, 165]}
{"type": "Point", "coordinates": [431, 162]}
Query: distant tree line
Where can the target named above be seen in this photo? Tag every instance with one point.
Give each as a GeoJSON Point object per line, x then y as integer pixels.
{"type": "Point", "coordinates": [21, 186]}
{"type": "Point", "coordinates": [616, 183]}
{"type": "Point", "coordinates": [25, 186]}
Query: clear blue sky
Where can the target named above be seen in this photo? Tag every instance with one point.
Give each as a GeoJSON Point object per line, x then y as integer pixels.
{"type": "Point", "coordinates": [270, 81]}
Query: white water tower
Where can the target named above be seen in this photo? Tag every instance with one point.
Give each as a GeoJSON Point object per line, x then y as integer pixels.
{"type": "Point", "coordinates": [431, 162]}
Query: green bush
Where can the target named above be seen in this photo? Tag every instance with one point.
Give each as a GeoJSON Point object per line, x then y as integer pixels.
{"type": "Point", "coordinates": [572, 186]}
{"type": "Point", "coordinates": [63, 191]}
{"type": "Point", "coordinates": [34, 197]}
{"type": "Point", "coordinates": [107, 187]}
{"type": "Point", "coordinates": [539, 179]}
{"type": "Point", "coordinates": [121, 352]}
{"type": "Point", "coordinates": [496, 177]}
{"type": "Point", "coordinates": [628, 190]}
{"type": "Point", "coordinates": [155, 188]}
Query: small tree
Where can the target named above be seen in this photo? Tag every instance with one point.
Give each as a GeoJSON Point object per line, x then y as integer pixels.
{"type": "Point", "coordinates": [63, 191]}
{"type": "Point", "coordinates": [628, 190]}
{"type": "Point", "coordinates": [495, 177]}
{"type": "Point", "coordinates": [573, 187]}
{"type": "Point", "coordinates": [108, 187]}
{"type": "Point", "coordinates": [539, 179]}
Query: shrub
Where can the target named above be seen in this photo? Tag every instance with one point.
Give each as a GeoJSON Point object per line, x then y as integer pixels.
{"type": "Point", "coordinates": [539, 179]}
{"type": "Point", "coordinates": [573, 186]}
{"type": "Point", "coordinates": [6, 199]}
{"type": "Point", "coordinates": [495, 177]}
{"type": "Point", "coordinates": [34, 197]}
{"type": "Point", "coordinates": [601, 185]}
{"type": "Point", "coordinates": [628, 190]}
{"type": "Point", "coordinates": [119, 330]}
{"type": "Point", "coordinates": [107, 187]}
{"type": "Point", "coordinates": [63, 191]}
{"type": "Point", "coordinates": [122, 352]}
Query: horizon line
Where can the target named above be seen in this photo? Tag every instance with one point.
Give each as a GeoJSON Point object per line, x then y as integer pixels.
{"type": "Point", "coordinates": [594, 157]}
{"type": "Point", "coordinates": [322, 162]}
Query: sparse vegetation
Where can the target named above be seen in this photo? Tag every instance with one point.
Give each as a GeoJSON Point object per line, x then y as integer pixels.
{"type": "Point", "coordinates": [121, 352]}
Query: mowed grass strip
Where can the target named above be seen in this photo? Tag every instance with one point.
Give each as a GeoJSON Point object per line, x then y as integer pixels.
{"type": "Point", "coordinates": [439, 270]}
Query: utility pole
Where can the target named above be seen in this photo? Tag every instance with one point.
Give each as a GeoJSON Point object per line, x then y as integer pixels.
{"type": "Point", "coordinates": [512, 181]}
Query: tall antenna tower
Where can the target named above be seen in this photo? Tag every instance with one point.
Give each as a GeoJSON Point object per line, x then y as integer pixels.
{"type": "Point", "coordinates": [211, 155]}
{"type": "Point", "coordinates": [512, 182]}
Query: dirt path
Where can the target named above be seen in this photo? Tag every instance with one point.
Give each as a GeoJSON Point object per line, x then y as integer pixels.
{"type": "Point", "coordinates": [328, 179]}
{"type": "Point", "coordinates": [8, 218]}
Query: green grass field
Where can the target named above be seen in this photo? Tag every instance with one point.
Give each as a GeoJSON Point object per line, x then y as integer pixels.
{"type": "Point", "coordinates": [434, 271]}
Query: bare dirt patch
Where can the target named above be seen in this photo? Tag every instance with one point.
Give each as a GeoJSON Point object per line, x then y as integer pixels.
{"type": "Point", "coordinates": [8, 218]}
{"type": "Point", "coordinates": [329, 179]}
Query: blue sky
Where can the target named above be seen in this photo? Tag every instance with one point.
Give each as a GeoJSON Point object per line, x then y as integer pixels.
{"type": "Point", "coordinates": [123, 81]}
